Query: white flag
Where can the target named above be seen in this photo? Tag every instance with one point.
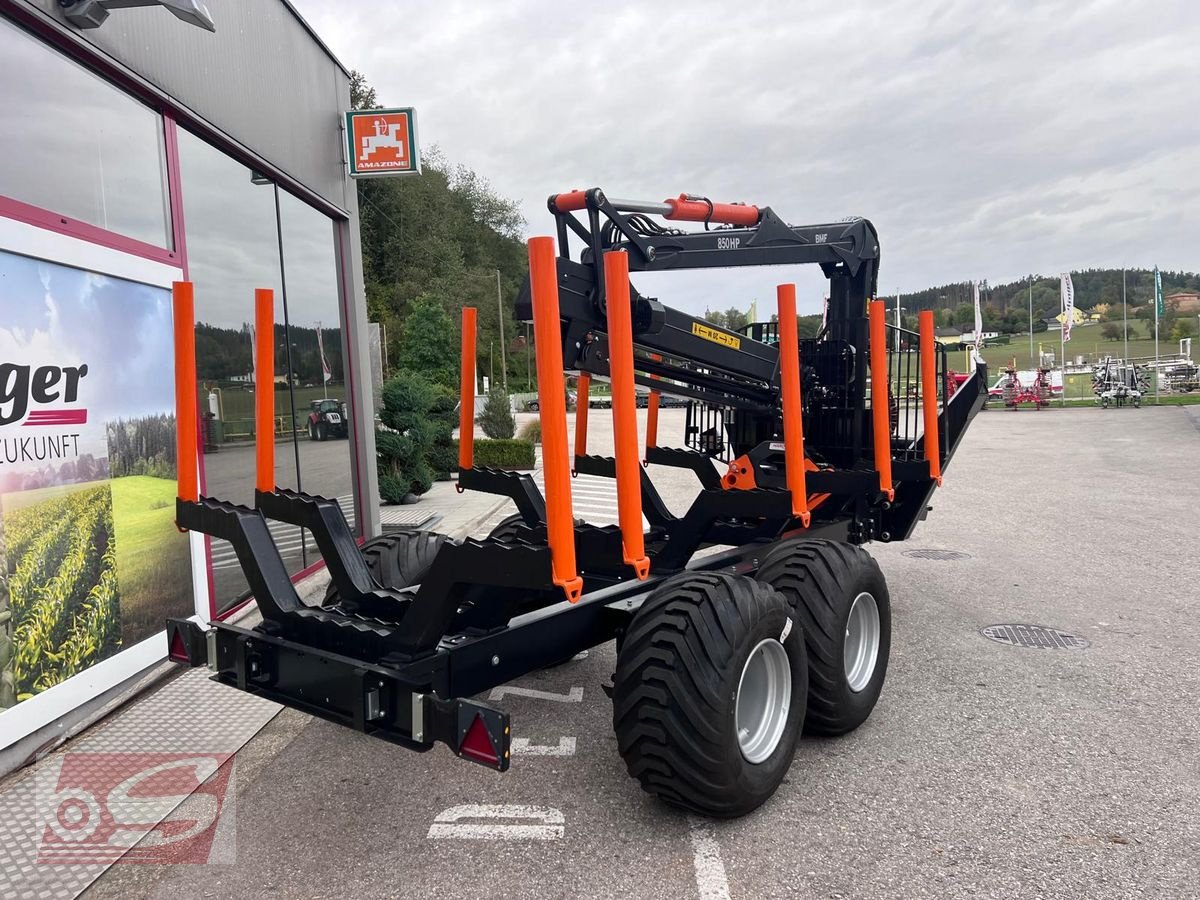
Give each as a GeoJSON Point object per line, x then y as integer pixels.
{"type": "Point", "coordinates": [978, 316]}
{"type": "Point", "coordinates": [1067, 291]}
{"type": "Point", "coordinates": [978, 327]}
{"type": "Point", "coordinates": [326, 374]}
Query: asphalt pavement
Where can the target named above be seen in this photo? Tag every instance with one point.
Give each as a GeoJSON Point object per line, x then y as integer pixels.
{"type": "Point", "coordinates": [987, 769]}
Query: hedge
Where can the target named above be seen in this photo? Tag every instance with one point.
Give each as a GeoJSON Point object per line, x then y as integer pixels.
{"type": "Point", "coordinates": [501, 454]}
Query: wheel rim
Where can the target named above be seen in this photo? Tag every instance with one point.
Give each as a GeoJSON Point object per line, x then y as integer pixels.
{"type": "Point", "coordinates": [764, 696]}
{"type": "Point", "coordinates": [861, 649]}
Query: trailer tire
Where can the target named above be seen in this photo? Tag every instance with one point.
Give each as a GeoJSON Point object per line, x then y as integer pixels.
{"type": "Point", "coordinates": [509, 527]}
{"type": "Point", "coordinates": [682, 670]}
{"type": "Point", "coordinates": [398, 559]}
{"type": "Point", "coordinates": [825, 581]}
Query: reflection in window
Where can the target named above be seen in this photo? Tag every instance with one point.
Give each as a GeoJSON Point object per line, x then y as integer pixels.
{"type": "Point", "coordinates": [314, 328]}
{"type": "Point", "coordinates": [74, 144]}
{"type": "Point", "coordinates": [233, 248]}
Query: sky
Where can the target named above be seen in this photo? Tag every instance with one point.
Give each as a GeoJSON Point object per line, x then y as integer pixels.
{"type": "Point", "coordinates": [983, 140]}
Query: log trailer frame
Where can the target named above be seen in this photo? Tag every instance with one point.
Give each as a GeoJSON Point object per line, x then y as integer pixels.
{"type": "Point", "coordinates": [723, 658]}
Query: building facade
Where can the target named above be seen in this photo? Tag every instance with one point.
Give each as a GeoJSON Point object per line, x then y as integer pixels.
{"type": "Point", "coordinates": [144, 151]}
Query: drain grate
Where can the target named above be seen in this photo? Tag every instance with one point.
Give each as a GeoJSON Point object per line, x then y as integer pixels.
{"type": "Point", "coordinates": [936, 554]}
{"type": "Point", "coordinates": [1038, 637]}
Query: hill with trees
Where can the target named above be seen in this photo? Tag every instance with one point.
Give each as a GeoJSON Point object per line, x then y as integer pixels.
{"type": "Point", "coordinates": [1006, 306]}
{"type": "Point", "coordinates": [439, 238]}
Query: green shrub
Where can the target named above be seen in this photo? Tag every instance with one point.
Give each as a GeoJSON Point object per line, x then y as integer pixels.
{"type": "Point", "coordinates": [531, 432]}
{"type": "Point", "coordinates": [501, 454]}
{"type": "Point", "coordinates": [402, 454]}
{"type": "Point", "coordinates": [496, 420]}
{"type": "Point", "coordinates": [442, 454]}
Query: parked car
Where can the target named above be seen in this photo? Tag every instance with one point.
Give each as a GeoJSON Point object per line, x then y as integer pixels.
{"type": "Point", "coordinates": [533, 405]}
{"type": "Point", "coordinates": [327, 419]}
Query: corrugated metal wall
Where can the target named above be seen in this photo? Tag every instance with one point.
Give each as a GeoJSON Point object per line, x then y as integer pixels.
{"type": "Point", "coordinates": [262, 79]}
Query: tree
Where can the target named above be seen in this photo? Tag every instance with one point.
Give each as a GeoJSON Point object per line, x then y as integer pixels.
{"type": "Point", "coordinates": [735, 319]}
{"type": "Point", "coordinates": [362, 95]}
{"type": "Point", "coordinates": [429, 342]}
{"type": "Point", "coordinates": [1111, 331]}
{"type": "Point", "coordinates": [403, 447]}
{"type": "Point", "coordinates": [1183, 329]}
{"type": "Point", "coordinates": [496, 420]}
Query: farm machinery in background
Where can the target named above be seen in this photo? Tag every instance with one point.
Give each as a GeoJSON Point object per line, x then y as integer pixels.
{"type": "Point", "coordinates": [802, 453]}
{"type": "Point", "coordinates": [1037, 388]}
{"type": "Point", "coordinates": [1117, 382]}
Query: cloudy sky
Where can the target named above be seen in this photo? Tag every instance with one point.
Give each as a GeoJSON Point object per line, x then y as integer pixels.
{"type": "Point", "coordinates": [984, 140]}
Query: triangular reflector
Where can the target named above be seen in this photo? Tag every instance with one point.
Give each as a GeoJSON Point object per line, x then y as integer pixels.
{"type": "Point", "coordinates": [178, 649]}
{"type": "Point", "coordinates": [477, 744]}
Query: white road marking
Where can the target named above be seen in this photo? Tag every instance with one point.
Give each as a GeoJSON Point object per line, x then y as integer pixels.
{"type": "Point", "coordinates": [706, 857]}
{"type": "Point", "coordinates": [448, 825]}
{"type": "Point", "coordinates": [575, 695]}
{"type": "Point", "coordinates": [522, 747]}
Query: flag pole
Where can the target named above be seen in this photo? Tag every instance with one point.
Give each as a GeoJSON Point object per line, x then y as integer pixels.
{"type": "Point", "coordinates": [1125, 314]}
{"type": "Point", "coordinates": [1062, 345]}
{"type": "Point", "coordinates": [1032, 360]}
{"type": "Point", "coordinates": [1157, 302]}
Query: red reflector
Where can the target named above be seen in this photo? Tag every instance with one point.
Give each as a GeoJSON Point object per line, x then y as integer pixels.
{"type": "Point", "coordinates": [178, 649]}
{"type": "Point", "coordinates": [477, 745]}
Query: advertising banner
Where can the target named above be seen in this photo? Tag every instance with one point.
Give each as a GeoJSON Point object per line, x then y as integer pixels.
{"type": "Point", "coordinates": [90, 559]}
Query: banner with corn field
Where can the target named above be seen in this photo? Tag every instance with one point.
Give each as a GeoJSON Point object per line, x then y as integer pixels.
{"type": "Point", "coordinates": [90, 559]}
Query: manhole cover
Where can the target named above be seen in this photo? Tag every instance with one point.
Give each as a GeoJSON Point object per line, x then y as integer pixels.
{"type": "Point", "coordinates": [936, 554]}
{"type": "Point", "coordinates": [1039, 637]}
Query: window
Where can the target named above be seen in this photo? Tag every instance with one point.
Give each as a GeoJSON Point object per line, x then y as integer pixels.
{"type": "Point", "coordinates": [233, 248]}
{"type": "Point", "coordinates": [314, 328]}
{"type": "Point", "coordinates": [243, 233]}
{"type": "Point", "coordinates": [76, 145]}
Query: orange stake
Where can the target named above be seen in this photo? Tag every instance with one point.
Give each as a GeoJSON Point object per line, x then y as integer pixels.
{"type": "Point", "coordinates": [793, 417]}
{"type": "Point", "coordinates": [880, 414]}
{"type": "Point", "coordinates": [186, 409]}
{"type": "Point", "coordinates": [466, 375]}
{"type": "Point", "coordinates": [624, 407]}
{"type": "Point", "coordinates": [552, 411]}
{"type": "Point", "coordinates": [264, 388]}
{"type": "Point", "coordinates": [929, 396]}
{"type": "Point", "coordinates": [652, 421]}
{"type": "Point", "coordinates": [581, 413]}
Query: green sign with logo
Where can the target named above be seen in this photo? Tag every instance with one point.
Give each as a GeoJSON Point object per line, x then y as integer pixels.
{"type": "Point", "coordinates": [382, 142]}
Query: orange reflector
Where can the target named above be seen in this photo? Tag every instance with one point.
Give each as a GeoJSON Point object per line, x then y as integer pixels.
{"type": "Point", "coordinates": [477, 744]}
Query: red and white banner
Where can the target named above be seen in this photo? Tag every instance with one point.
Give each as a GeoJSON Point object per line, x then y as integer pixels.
{"type": "Point", "coordinates": [1068, 305]}
{"type": "Point", "coordinates": [326, 373]}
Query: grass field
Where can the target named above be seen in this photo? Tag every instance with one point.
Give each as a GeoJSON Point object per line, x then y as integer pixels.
{"type": "Point", "coordinates": [1086, 341]}
{"type": "Point", "coordinates": [237, 403]}
{"type": "Point", "coordinates": [153, 562]}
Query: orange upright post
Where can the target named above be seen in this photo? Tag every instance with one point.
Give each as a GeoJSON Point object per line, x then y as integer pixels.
{"type": "Point", "coordinates": [929, 396]}
{"type": "Point", "coordinates": [652, 414]}
{"type": "Point", "coordinates": [186, 455]}
{"type": "Point", "coordinates": [793, 416]}
{"type": "Point", "coordinates": [581, 413]}
{"type": "Point", "coordinates": [466, 377]}
{"type": "Point", "coordinates": [652, 420]}
{"type": "Point", "coordinates": [624, 408]}
{"type": "Point", "coordinates": [880, 414]}
{"type": "Point", "coordinates": [264, 389]}
{"type": "Point", "coordinates": [552, 411]}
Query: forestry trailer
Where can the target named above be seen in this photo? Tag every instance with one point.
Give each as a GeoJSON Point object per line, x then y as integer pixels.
{"type": "Point", "coordinates": [803, 451]}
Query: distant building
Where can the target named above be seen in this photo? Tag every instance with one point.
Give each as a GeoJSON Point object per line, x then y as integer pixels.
{"type": "Point", "coordinates": [1185, 302]}
{"type": "Point", "coordinates": [956, 335]}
